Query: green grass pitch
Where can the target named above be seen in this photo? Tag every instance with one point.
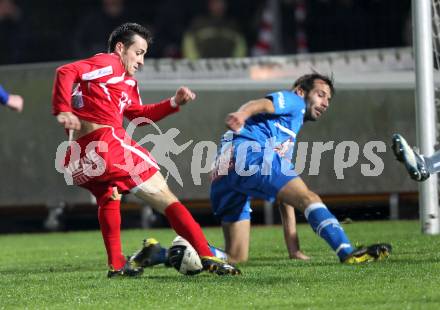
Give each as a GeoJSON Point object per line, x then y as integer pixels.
{"type": "Point", "coordinates": [68, 271]}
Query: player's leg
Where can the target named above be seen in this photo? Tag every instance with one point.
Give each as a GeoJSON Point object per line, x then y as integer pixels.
{"type": "Point", "coordinates": [432, 162]}
{"type": "Point", "coordinates": [156, 192]}
{"type": "Point", "coordinates": [237, 235]}
{"type": "Point", "coordinates": [232, 208]}
{"type": "Point", "coordinates": [418, 166]}
{"type": "Point", "coordinates": [108, 200]}
{"type": "Point", "coordinates": [296, 193]}
{"type": "Point", "coordinates": [109, 217]}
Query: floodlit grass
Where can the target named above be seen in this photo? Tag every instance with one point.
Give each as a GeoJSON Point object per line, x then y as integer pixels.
{"type": "Point", "coordinates": [68, 270]}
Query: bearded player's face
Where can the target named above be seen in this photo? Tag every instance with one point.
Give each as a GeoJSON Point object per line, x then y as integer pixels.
{"type": "Point", "coordinates": [132, 57]}
{"type": "Point", "coordinates": [317, 100]}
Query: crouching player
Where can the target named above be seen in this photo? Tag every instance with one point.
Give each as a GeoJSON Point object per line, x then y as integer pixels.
{"type": "Point", "coordinates": [254, 160]}
{"type": "Point", "coordinates": [104, 159]}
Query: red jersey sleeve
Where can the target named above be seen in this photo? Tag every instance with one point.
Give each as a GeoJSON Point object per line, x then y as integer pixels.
{"type": "Point", "coordinates": [75, 72]}
{"type": "Point", "coordinates": [153, 111]}
{"type": "Point", "coordinates": [65, 77]}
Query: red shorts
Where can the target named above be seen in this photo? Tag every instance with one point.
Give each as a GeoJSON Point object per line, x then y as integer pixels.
{"type": "Point", "coordinates": [107, 158]}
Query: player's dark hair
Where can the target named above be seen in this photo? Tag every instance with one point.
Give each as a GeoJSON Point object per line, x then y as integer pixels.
{"type": "Point", "coordinates": [306, 82]}
{"type": "Point", "coordinates": [125, 33]}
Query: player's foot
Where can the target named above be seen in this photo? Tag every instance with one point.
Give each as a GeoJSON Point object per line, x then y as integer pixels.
{"type": "Point", "coordinates": [414, 162]}
{"type": "Point", "coordinates": [218, 266]}
{"type": "Point", "coordinates": [374, 252]}
{"type": "Point", "coordinates": [129, 270]}
{"type": "Point", "coordinates": [150, 254]}
{"type": "Point", "coordinates": [219, 253]}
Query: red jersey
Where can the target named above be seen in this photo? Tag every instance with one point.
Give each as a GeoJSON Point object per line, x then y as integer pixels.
{"type": "Point", "coordinates": [104, 93]}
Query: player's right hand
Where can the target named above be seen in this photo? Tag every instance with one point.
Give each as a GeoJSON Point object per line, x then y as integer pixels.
{"type": "Point", "coordinates": [236, 120]}
{"type": "Point", "coordinates": [184, 95]}
{"type": "Point", "coordinates": [69, 120]}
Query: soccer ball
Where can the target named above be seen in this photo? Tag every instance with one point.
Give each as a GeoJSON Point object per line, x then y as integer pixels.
{"type": "Point", "coordinates": [184, 257]}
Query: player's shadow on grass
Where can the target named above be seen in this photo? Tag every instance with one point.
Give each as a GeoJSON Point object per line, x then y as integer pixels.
{"type": "Point", "coordinates": [269, 261]}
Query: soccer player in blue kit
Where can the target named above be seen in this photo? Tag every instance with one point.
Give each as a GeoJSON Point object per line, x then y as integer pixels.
{"type": "Point", "coordinates": [254, 161]}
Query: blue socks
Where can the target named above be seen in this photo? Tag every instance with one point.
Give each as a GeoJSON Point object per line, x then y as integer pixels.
{"type": "Point", "coordinates": [328, 228]}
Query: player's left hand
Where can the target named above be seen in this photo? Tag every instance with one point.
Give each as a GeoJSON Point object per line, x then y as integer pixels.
{"type": "Point", "coordinates": [184, 95]}
{"type": "Point", "coordinates": [15, 103]}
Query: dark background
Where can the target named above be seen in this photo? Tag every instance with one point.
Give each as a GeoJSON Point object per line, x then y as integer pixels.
{"type": "Point", "coordinates": [48, 29]}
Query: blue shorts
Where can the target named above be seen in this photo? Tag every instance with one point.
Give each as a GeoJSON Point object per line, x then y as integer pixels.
{"type": "Point", "coordinates": [231, 194]}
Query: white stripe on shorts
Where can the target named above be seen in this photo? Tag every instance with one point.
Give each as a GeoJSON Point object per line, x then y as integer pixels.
{"type": "Point", "coordinates": [135, 150]}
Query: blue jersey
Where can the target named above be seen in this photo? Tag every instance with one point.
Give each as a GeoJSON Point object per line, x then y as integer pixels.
{"type": "Point", "coordinates": [277, 130]}
{"type": "Point", "coordinates": [233, 180]}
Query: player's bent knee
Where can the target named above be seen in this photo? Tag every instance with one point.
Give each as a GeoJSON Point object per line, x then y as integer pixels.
{"type": "Point", "coordinates": [301, 199]}
{"type": "Point", "coordinates": [156, 193]}
{"type": "Point", "coordinates": [306, 199]}
{"type": "Point", "coordinates": [312, 197]}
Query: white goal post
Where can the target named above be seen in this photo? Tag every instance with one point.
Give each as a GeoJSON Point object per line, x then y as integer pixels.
{"type": "Point", "coordinates": [423, 32]}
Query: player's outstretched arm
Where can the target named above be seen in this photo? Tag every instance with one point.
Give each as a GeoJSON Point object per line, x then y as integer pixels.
{"type": "Point", "coordinates": [236, 120]}
{"type": "Point", "coordinates": [290, 235]}
{"type": "Point", "coordinates": [157, 111]}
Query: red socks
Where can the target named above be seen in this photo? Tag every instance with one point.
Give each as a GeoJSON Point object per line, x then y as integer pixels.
{"type": "Point", "coordinates": [184, 224]}
{"type": "Point", "coordinates": [109, 216]}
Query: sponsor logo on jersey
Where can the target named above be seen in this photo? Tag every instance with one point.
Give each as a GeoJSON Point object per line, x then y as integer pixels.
{"type": "Point", "coordinates": [281, 101]}
{"type": "Point", "coordinates": [96, 74]}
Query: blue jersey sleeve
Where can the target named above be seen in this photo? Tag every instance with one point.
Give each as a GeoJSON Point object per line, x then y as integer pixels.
{"type": "Point", "coordinates": [285, 102]}
{"type": "Point", "coordinates": [4, 96]}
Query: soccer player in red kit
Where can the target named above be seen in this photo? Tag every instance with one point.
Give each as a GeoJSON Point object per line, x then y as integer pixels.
{"type": "Point", "coordinates": [106, 92]}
